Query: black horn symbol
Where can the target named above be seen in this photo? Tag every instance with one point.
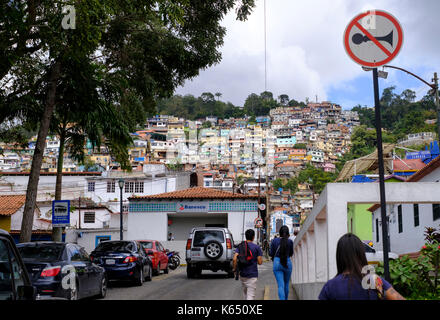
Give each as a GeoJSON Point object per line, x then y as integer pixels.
{"type": "Point", "coordinates": [358, 38]}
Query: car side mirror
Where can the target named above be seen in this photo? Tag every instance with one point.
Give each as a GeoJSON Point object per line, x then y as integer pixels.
{"type": "Point", "coordinates": [27, 292]}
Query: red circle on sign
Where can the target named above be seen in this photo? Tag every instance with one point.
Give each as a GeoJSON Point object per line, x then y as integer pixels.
{"type": "Point", "coordinates": [355, 21]}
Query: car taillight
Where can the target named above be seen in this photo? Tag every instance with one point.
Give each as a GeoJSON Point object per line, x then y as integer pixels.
{"type": "Point", "coordinates": [130, 259]}
{"type": "Point", "coordinates": [50, 271]}
{"type": "Point", "coordinates": [91, 258]}
{"type": "Point", "coordinates": [228, 244]}
{"type": "Point", "coordinates": [188, 244]}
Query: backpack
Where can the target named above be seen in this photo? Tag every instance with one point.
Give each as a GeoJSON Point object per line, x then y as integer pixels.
{"type": "Point", "coordinates": [244, 255]}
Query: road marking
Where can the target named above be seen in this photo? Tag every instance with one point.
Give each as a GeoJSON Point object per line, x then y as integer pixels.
{"type": "Point", "coordinates": [266, 293]}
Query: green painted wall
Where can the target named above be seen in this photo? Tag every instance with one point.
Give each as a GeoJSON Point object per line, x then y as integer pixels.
{"type": "Point", "coordinates": [359, 221]}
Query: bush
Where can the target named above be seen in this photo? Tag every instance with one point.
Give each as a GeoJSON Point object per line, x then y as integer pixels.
{"type": "Point", "coordinates": [418, 279]}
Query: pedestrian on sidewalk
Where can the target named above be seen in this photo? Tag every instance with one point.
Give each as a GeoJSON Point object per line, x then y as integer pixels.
{"type": "Point", "coordinates": [349, 283]}
{"type": "Point", "coordinates": [281, 249]}
{"type": "Point", "coordinates": [249, 271]}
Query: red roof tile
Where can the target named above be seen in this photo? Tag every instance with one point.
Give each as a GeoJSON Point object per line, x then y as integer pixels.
{"type": "Point", "coordinates": [10, 204]}
{"type": "Point", "coordinates": [197, 193]}
{"type": "Point", "coordinates": [434, 164]}
{"type": "Point", "coordinates": [408, 164]}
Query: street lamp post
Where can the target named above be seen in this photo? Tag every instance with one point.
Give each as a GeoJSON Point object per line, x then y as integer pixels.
{"type": "Point", "coordinates": [121, 186]}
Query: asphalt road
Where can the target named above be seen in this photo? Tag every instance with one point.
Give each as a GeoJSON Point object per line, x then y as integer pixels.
{"type": "Point", "coordinates": [210, 286]}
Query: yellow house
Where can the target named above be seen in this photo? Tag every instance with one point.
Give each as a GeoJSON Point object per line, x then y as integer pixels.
{"type": "Point", "coordinates": [8, 206]}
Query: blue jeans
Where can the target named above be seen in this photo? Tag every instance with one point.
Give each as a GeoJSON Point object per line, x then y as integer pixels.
{"type": "Point", "coordinates": [282, 274]}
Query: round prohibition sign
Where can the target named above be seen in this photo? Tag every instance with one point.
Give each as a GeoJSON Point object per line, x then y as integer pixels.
{"type": "Point", "coordinates": [375, 50]}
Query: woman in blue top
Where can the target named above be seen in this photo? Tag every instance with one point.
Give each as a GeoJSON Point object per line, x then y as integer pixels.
{"type": "Point", "coordinates": [347, 285]}
{"type": "Point", "coordinates": [281, 249]}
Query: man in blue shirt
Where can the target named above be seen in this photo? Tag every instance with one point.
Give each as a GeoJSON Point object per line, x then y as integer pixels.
{"type": "Point", "coordinates": [249, 273]}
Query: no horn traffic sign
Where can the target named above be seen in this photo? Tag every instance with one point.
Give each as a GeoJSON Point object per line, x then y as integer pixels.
{"type": "Point", "coordinates": [373, 38]}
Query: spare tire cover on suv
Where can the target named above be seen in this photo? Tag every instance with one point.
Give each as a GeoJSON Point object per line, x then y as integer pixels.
{"type": "Point", "coordinates": [213, 249]}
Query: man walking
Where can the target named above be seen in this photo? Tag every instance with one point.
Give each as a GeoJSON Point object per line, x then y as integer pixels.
{"type": "Point", "coordinates": [248, 271]}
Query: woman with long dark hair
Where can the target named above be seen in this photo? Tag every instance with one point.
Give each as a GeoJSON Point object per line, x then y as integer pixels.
{"type": "Point", "coordinates": [281, 249]}
{"type": "Point", "coordinates": [349, 283]}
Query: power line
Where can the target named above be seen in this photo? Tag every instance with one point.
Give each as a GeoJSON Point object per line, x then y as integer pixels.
{"type": "Point", "coordinates": [265, 50]}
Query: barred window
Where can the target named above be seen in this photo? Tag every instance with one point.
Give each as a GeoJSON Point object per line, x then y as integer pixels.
{"type": "Point", "coordinates": [139, 187]}
{"type": "Point", "coordinates": [110, 186]}
{"type": "Point", "coordinates": [89, 217]}
{"type": "Point", "coordinates": [129, 187]}
{"type": "Point", "coordinates": [91, 186]}
{"type": "Point", "coordinates": [435, 211]}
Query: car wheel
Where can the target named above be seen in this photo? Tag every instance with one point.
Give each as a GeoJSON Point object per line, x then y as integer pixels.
{"type": "Point", "coordinates": [213, 249]}
{"type": "Point", "coordinates": [150, 273]}
{"type": "Point", "coordinates": [140, 279]}
{"type": "Point", "coordinates": [103, 288]}
{"type": "Point", "coordinates": [157, 271]}
{"type": "Point", "coordinates": [190, 272]}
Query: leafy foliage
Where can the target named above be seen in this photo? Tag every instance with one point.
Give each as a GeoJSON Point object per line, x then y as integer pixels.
{"type": "Point", "coordinates": [317, 177]}
{"type": "Point", "coordinates": [419, 278]}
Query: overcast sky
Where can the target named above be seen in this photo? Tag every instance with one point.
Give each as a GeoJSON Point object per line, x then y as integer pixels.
{"type": "Point", "coordinates": [305, 53]}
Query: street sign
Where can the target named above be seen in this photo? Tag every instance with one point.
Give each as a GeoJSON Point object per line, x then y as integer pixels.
{"type": "Point", "coordinates": [262, 206]}
{"type": "Point", "coordinates": [258, 222]}
{"type": "Point", "coordinates": [60, 213]}
{"type": "Point", "coordinates": [373, 38]}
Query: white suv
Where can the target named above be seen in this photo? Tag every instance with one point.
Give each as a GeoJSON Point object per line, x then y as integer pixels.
{"type": "Point", "coordinates": [209, 248]}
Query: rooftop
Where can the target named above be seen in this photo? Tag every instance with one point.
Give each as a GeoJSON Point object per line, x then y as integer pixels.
{"type": "Point", "coordinates": [11, 203]}
{"type": "Point", "coordinates": [198, 193]}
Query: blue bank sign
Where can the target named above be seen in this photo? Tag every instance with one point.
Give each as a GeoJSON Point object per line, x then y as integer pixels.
{"type": "Point", "coordinates": [192, 207]}
{"type": "Point", "coordinates": [60, 213]}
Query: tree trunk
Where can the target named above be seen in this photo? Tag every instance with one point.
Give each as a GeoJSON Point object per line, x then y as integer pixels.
{"type": "Point", "coordinates": [37, 158]}
{"type": "Point", "coordinates": [57, 232]}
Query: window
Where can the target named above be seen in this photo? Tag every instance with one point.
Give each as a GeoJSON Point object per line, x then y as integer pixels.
{"type": "Point", "coordinates": [416, 215]}
{"type": "Point", "coordinates": [74, 253]}
{"type": "Point", "coordinates": [139, 187]}
{"type": "Point", "coordinates": [129, 187]}
{"type": "Point", "coordinates": [377, 230]}
{"type": "Point", "coordinates": [399, 218]}
{"type": "Point", "coordinates": [435, 211]}
{"type": "Point", "coordinates": [91, 186]}
{"type": "Point", "coordinates": [110, 186]}
{"type": "Point", "coordinates": [89, 217]}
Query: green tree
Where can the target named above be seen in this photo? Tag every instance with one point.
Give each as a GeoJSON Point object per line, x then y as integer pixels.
{"type": "Point", "coordinates": [146, 48]}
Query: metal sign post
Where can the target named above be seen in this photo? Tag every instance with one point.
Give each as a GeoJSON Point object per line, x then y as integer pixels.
{"type": "Point", "coordinates": [383, 210]}
{"type": "Point", "coordinates": [372, 39]}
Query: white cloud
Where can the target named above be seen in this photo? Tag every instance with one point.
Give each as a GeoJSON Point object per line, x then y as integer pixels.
{"type": "Point", "coordinates": [305, 53]}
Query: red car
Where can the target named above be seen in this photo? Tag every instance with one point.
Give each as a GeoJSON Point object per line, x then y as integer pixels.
{"type": "Point", "coordinates": [157, 254]}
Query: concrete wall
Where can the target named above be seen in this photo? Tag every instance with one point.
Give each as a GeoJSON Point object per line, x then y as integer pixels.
{"type": "Point", "coordinates": [327, 222]}
{"type": "Point", "coordinates": [148, 225]}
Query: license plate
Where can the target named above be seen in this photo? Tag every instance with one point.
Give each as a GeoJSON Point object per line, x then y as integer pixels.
{"type": "Point", "coordinates": [195, 254]}
{"type": "Point", "coordinates": [110, 261]}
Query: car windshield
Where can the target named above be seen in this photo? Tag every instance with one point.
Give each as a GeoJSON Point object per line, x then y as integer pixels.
{"type": "Point", "coordinates": [41, 252]}
{"type": "Point", "coordinates": [120, 246]}
{"type": "Point", "coordinates": [147, 244]}
{"type": "Point", "coordinates": [202, 237]}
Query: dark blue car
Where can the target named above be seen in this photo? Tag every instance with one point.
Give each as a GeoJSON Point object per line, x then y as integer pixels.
{"type": "Point", "coordinates": [49, 264]}
{"type": "Point", "coordinates": [123, 260]}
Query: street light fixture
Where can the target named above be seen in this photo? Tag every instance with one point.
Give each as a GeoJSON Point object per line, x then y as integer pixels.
{"type": "Point", "coordinates": [121, 186]}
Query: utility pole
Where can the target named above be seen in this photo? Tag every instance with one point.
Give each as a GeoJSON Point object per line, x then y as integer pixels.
{"type": "Point", "coordinates": [437, 104]}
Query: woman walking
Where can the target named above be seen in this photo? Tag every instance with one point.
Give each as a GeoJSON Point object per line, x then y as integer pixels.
{"type": "Point", "coordinates": [347, 284]}
{"type": "Point", "coordinates": [281, 249]}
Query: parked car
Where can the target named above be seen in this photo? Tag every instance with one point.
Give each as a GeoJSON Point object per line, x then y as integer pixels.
{"type": "Point", "coordinates": [123, 260]}
{"type": "Point", "coordinates": [15, 283]}
{"type": "Point", "coordinates": [209, 248]}
{"type": "Point", "coordinates": [48, 264]}
{"type": "Point", "coordinates": [157, 254]}
{"type": "Point", "coordinates": [375, 257]}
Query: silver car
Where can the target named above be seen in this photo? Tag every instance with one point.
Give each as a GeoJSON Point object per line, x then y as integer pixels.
{"type": "Point", "coordinates": [209, 248]}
